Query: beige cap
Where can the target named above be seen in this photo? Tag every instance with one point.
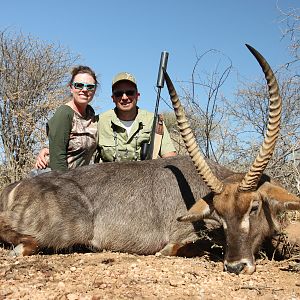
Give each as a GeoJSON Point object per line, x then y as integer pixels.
{"type": "Point", "coordinates": [123, 76]}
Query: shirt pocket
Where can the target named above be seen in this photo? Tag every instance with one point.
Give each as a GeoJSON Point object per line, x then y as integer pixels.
{"type": "Point", "coordinates": [108, 151]}
{"type": "Point", "coordinates": [144, 136]}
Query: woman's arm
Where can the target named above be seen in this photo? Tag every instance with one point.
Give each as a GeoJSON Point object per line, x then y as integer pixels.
{"type": "Point", "coordinates": [60, 126]}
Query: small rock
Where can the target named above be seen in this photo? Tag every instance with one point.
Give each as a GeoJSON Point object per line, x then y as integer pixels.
{"type": "Point", "coordinates": [61, 285]}
{"type": "Point", "coordinates": [72, 297]}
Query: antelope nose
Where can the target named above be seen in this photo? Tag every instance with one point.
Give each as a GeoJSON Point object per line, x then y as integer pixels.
{"type": "Point", "coordinates": [235, 268]}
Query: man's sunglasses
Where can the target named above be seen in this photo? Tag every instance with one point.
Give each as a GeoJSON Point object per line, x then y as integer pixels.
{"type": "Point", "coordinates": [81, 86]}
{"type": "Point", "coordinates": [121, 93]}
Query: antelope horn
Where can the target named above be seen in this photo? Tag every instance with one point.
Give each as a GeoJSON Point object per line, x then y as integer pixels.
{"type": "Point", "coordinates": [275, 106]}
{"type": "Point", "coordinates": [190, 142]}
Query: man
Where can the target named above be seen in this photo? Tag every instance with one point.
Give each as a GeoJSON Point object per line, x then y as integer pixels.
{"type": "Point", "coordinates": [124, 130]}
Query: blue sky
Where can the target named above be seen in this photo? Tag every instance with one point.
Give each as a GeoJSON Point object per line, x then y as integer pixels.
{"type": "Point", "coordinates": [113, 36]}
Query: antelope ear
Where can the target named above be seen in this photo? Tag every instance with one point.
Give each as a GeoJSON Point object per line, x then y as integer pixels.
{"type": "Point", "coordinates": [197, 212]}
{"type": "Point", "coordinates": [279, 197]}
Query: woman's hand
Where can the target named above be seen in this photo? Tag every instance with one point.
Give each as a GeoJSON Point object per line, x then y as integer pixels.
{"type": "Point", "coordinates": [42, 159]}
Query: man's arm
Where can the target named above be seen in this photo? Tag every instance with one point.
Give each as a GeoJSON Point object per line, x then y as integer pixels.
{"type": "Point", "coordinates": [167, 148]}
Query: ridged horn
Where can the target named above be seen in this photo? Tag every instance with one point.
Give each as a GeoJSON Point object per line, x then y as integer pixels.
{"type": "Point", "coordinates": [190, 142]}
{"type": "Point", "coordinates": [251, 179]}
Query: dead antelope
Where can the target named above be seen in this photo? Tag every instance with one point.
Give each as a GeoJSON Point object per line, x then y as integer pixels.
{"type": "Point", "coordinates": [133, 206]}
{"type": "Point", "coordinates": [246, 207]}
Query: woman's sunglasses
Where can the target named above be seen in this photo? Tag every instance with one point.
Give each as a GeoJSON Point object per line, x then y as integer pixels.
{"type": "Point", "coordinates": [120, 93]}
{"type": "Point", "coordinates": [81, 86]}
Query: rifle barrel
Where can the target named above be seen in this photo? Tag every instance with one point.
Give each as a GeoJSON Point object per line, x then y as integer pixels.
{"type": "Point", "coordinates": [160, 84]}
{"type": "Point", "coordinates": [163, 65]}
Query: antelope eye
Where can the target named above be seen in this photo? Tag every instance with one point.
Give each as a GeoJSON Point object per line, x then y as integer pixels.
{"type": "Point", "coordinates": [254, 208]}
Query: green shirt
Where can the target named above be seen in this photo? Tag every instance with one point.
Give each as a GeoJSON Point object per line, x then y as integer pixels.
{"type": "Point", "coordinates": [116, 145]}
{"type": "Point", "coordinates": [72, 138]}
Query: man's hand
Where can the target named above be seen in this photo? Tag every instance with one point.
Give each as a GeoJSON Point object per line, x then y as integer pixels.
{"type": "Point", "coordinates": [42, 159]}
{"type": "Point", "coordinates": [169, 154]}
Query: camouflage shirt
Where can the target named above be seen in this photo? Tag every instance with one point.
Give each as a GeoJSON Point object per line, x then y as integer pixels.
{"type": "Point", "coordinates": [116, 145]}
{"type": "Point", "coordinates": [72, 138]}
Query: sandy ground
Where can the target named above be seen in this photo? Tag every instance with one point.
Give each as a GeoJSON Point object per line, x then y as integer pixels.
{"type": "Point", "coordinates": [110, 275]}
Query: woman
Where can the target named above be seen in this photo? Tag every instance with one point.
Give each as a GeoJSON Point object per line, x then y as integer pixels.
{"type": "Point", "coordinates": [72, 131]}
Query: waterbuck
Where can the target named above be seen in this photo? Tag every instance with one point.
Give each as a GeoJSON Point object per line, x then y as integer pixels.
{"type": "Point", "coordinates": [133, 206]}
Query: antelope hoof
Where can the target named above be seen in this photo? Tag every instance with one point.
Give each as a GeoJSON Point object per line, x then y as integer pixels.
{"type": "Point", "coordinates": [17, 251]}
{"type": "Point", "coordinates": [170, 250]}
